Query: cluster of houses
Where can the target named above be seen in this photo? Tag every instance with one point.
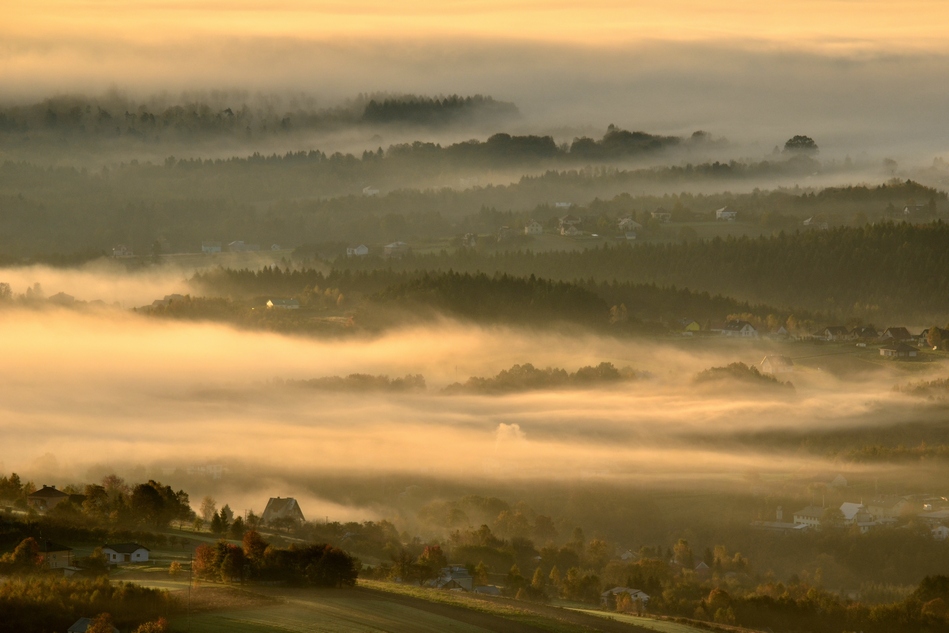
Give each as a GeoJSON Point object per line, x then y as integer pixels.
{"type": "Point", "coordinates": [880, 512]}
{"type": "Point", "coordinates": [237, 246]}
{"type": "Point", "coordinates": [56, 556]}
{"type": "Point", "coordinates": [897, 342]}
{"type": "Point", "coordinates": [395, 250]}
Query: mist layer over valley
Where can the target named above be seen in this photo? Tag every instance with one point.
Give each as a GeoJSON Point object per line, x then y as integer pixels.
{"type": "Point", "coordinates": [474, 316]}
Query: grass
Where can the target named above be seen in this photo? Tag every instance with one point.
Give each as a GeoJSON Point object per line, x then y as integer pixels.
{"type": "Point", "coordinates": [377, 606]}
{"type": "Point", "coordinates": [662, 626]}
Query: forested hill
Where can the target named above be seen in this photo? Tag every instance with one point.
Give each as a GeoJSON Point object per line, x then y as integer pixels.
{"type": "Point", "coordinates": [881, 273]}
{"type": "Point", "coordinates": [113, 116]}
{"type": "Point", "coordinates": [477, 297]}
{"type": "Point", "coordinates": [435, 111]}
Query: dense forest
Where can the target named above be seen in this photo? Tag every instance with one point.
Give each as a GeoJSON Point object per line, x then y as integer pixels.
{"type": "Point", "coordinates": [879, 273]}
{"type": "Point", "coordinates": [233, 114]}
{"type": "Point", "coordinates": [409, 193]}
{"type": "Point", "coordinates": [382, 297]}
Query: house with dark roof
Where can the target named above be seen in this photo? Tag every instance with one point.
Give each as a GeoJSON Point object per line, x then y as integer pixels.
{"type": "Point", "coordinates": [634, 594]}
{"type": "Point", "coordinates": [46, 498]}
{"type": "Point", "coordinates": [899, 350]}
{"type": "Point", "coordinates": [741, 329]}
{"type": "Point", "coordinates": [896, 334]}
{"type": "Point", "coordinates": [54, 555]}
{"type": "Point", "coordinates": [282, 508]}
{"type": "Point", "coordinates": [809, 515]}
{"type": "Point", "coordinates": [126, 553]}
{"type": "Point", "coordinates": [835, 333]}
{"type": "Point", "coordinates": [864, 332]}
{"type": "Point", "coordinates": [889, 507]}
{"type": "Point", "coordinates": [453, 577]}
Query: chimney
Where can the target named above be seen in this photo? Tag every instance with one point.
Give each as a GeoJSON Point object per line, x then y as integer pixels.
{"type": "Point", "coordinates": [780, 514]}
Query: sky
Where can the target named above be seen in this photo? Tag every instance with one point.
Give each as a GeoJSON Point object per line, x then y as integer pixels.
{"type": "Point", "coordinates": [859, 74]}
{"type": "Point", "coordinates": [820, 23]}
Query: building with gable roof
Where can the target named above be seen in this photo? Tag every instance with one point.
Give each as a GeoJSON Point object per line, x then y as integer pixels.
{"type": "Point", "coordinates": [282, 508]}
{"type": "Point", "coordinates": [46, 498]}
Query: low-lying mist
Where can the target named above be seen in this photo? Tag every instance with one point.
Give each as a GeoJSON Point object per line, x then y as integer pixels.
{"type": "Point", "coordinates": [90, 392]}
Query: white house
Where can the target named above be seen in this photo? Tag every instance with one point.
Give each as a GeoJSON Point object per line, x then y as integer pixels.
{"type": "Point", "coordinates": [634, 594]}
{"type": "Point", "coordinates": [126, 553]}
{"type": "Point", "coordinates": [357, 251]}
{"type": "Point", "coordinates": [899, 350]}
{"type": "Point", "coordinates": [370, 191]}
{"type": "Point", "coordinates": [533, 228]}
{"type": "Point", "coordinates": [663, 216]}
{"type": "Point", "coordinates": [725, 215]}
{"type": "Point", "coordinates": [809, 516]}
{"type": "Point", "coordinates": [121, 251]}
{"type": "Point", "coordinates": [628, 224]}
{"type": "Point", "coordinates": [741, 329]}
{"type": "Point", "coordinates": [210, 247]}
{"type": "Point", "coordinates": [940, 533]}
{"type": "Point", "coordinates": [569, 230]}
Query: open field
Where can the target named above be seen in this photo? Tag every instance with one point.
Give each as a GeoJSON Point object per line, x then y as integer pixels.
{"type": "Point", "coordinates": [653, 624]}
{"type": "Point", "coordinates": [375, 606]}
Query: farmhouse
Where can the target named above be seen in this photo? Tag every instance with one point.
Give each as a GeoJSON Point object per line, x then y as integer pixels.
{"type": "Point", "coordinates": [891, 507]}
{"type": "Point", "coordinates": [810, 516]}
{"type": "Point", "coordinates": [357, 251]}
{"type": "Point", "coordinates": [533, 228]}
{"type": "Point", "coordinates": [689, 326]}
{"type": "Point", "coordinates": [834, 333]}
{"type": "Point", "coordinates": [628, 224]}
{"type": "Point", "coordinates": [615, 592]}
{"type": "Point", "coordinates": [282, 508]}
{"type": "Point", "coordinates": [210, 247]}
{"type": "Point", "coordinates": [46, 498]}
{"type": "Point", "coordinates": [663, 216]}
{"type": "Point", "coordinates": [899, 350]}
{"type": "Point", "coordinates": [453, 577]}
{"type": "Point", "coordinates": [896, 334]}
{"type": "Point", "coordinates": [569, 230]}
{"type": "Point", "coordinates": [125, 553]}
{"type": "Point", "coordinates": [741, 329]}
{"type": "Point", "coordinates": [53, 555]}
{"type": "Point", "coordinates": [725, 215]}
{"type": "Point", "coordinates": [865, 332]}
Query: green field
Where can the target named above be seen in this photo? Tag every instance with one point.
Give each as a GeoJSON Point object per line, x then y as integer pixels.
{"type": "Point", "coordinates": [662, 626]}
{"type": "Point", "coordinates": [375, 606]}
